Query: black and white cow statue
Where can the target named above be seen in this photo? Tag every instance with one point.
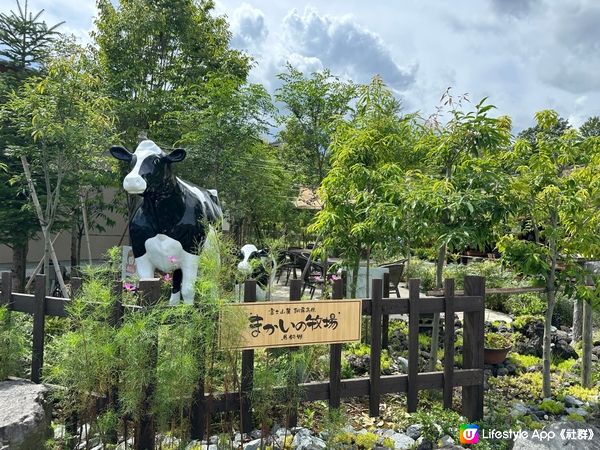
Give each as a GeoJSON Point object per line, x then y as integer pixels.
{"type": "Point", "coordinates": [257, 265]}
{"type": "Point", "coordinates": [169, 228]}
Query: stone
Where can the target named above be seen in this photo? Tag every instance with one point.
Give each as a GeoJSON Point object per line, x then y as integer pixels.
{"type": "Point", "coordinates": [445, 441]}
{"type": "Point", "coordinates": [519, 409]}
{"type": "Point", "coordinates": [502, 371]}
{"type": "Point", "coordinates": [255, 434]}
{"type": "Point", "coordinates": [282, 432]}
{"type": "Point", "coordinates": [252, 445]}
{"type": "Point", "coordinates": [529, 443]}
{"type": "Point", "coordinates": [424, 444]}
{"type": "Point", "coordinates": [303, 441]}
{"type": "Point", "coordinates": [512, 369]}
{"type": "Point", "coordinates": [579, 411]}
{"type": "Point", "coordinates": [213, 440]}
{"type": "Point", "coordinates": [402, 441]}
{"type": "Point", "coordinates": [24, 414]}
{"type": "Point", "coordinates": [414, 431]}
{"type": "Point", "coordinates": [562, 350]}
{"type": "Point", "coordinates": [572, 401]}
{"type": "Point", "coordinates": [403, 363]}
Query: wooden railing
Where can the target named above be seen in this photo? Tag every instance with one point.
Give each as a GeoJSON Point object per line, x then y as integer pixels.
{"type": "Point", "coordinates": [378, 307]}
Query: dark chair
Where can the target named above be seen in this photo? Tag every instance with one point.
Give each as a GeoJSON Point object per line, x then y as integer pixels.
{"type": "Point", "coordinates": [396, 270]}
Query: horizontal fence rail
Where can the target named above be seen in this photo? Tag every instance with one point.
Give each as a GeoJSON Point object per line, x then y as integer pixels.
{"type": "Point", "coordinates": [378, 308]}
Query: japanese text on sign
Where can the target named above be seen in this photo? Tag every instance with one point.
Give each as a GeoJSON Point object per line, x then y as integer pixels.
{"type": "Point", "coordinates": [282, 324]}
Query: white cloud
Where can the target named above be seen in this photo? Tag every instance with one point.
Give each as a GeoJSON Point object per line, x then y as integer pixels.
{"type": "Point", "coordinates": [248, 27]}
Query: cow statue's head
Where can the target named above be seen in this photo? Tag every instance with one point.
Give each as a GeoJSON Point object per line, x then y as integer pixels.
{"type": "Point", "coordinates": [150, 166]}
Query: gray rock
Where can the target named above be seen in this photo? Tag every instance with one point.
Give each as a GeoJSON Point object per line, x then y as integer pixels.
{"type": "Point", "coordinates": [210, 447]}
{"type": "Point", "coordinates": [402, 362]}
{"type": "Point", "coordinates": [580, 411]}
{"type": "Point", "coordinates": [519, 409]}
{"type": "Point", "coordinates": [445, 441]}
{"type": "Point", "coordinates": [402, 441]}
{"type": "Point", "coordinates": [256, 434]}
{"type": "Point", "coordinates": [252, 445]}
{"type": "Point", "coordinates": [213, 440]}
{"type": "Point", "coordinates": [558, 443]}
{"type": "Point", "coordinates": [424, 444]}
{"type": "Point", "coordinates": [303, 441]}
{"type": "Point", "coordinates": [502, 371]}
{"type": "Point", "coordinates": [414, 431]}
{"type": "Point", "coordinates": [573, 401]}
{"type": "Point", "coordinates": [24, 414]}
{"type": "Point", "coordinates": [280, 432]}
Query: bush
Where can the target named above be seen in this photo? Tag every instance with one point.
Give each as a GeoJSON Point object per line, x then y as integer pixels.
{"type": "Point", "coordinates": [563, 311]}
{"type": "Point", "coordinates": [423, 270]}
{"type": "Point", "coordinates": [552, 406]}
{"type": "Point", "coordinates": [12, 345]}
{"type": "Point", "coordinates": [438, 422]}
{"type": "Point", "coordinates": [525, 304]}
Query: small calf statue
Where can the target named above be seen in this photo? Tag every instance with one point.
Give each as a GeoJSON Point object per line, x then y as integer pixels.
{"type": "Point", "coordinates": [254, 264]}
{"type": "Point", "coordinates": [169, 228]}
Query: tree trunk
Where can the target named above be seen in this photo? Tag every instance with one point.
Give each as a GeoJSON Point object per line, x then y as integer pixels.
{"type": "Point", "coordinates": [586, 368]}
{"type": "Point", "coordinates": [577, 319]}
{"type": "Point", "coordinates": [355, 266]}
{"type": "Point", "coordinates": [74, 234]}
{"type": "Point", "coordinates": [551, 296]}
{"type": "Point", "coordinates": [19, 265]}
{"type": "Point", "coordinates": [435, 330]}
{"type": "Point", "coordinates": [47, 260]}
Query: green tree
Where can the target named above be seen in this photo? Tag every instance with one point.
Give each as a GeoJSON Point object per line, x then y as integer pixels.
{"type": "Point", "coordinates": [71, 127]}
{"type": "Point", "coordinates": [365, 152]}
{"type": "Point", "coordinates": [456, 198]}
{"type": "Point", "coordinates": [221, 126]}
{"type": "Point", "coordinates": [154, 52]}
{"type": "Point", "coordinates": [25, 41]}
{"type": "Point", "coordinates": [311, 104]}
{"type": "Point", "coordinates": [591, 127]}
{"type": "Point", "coordinates": [552, 195]}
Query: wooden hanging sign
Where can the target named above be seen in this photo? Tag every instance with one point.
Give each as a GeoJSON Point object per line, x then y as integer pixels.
{"type": "Point", "coordinates": [286, 324]}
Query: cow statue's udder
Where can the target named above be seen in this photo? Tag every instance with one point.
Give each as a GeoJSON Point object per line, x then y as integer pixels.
{"type": "Point", "coordinates": [174, 220]}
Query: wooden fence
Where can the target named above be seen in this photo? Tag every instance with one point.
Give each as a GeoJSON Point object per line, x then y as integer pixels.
{"type": "Point", "coordinates": [379, 307]}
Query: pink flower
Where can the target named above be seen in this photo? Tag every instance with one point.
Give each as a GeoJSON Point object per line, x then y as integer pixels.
{"type": "Point", "coordinates": [334, 278]}
{"type": "Point", "coordinates": [167, 278]}
{"type": "Point", "coordinates": [172, 259]}
{"type": "Point", "coordinates": [129, 287]}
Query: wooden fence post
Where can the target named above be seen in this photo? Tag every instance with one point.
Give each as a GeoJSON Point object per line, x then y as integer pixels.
{"type": "Point", "coordinates": [375, 369]}
{"type": "Point", "coordinates": [39, 320]}
{"type": "Point", "coordinates": [247, 367]}
{"type": "Point", "coordinates": [473, 340]}
{"type": "Point", "coordinates": [448, 341]}
{"type": "Point", "coordinates": [385, 326]}
{"type": "Point", "coordinates": [412, 398]}
{"type": "Point", "coordinates": [145, 431]}
{"type": "Point", "coordinates": [335, 356]}
{"type": "Point", "coordinates": [295, 296]}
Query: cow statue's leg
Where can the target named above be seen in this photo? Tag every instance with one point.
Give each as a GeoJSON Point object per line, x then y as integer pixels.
{"type": "Point", "coordinates": [189, 269]}
{"type": "Point", "coordinates": [145, 268]}
{"type": "Point", "coordinates": [176, 291]}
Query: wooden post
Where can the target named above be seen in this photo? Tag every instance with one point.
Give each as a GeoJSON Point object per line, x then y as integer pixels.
{"type": "Point", "coordinates": [247, 367]}
{"type": "Point", "coordinates": [39, 319]}
{"type": "Point", "coordinates": [5, 297]}
{"type": "Point", "coordinates": [335, 356]}
{"type": "Point", "coordinates": [473, 340]}
{"type": "Point", "coordinates": [412, 398]}
{"type": "Point", "coordinates": [145, 430]}
{"type": "Point", "coordinates": [385, 326]}
{"type": "Point", "coordinates": [295, 296]}
{"type": "Point", "coordinates": [448, 341]}
{"type": "Point", "coordinates": [375, 369]}
{"type": "Point", "coordinates": [587, 330]}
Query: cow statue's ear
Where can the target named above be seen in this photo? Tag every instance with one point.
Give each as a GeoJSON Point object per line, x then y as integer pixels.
{"type": "Point", "coordinates": [121, 153]}
{"type": "Point", "coordinates": [176, 155]}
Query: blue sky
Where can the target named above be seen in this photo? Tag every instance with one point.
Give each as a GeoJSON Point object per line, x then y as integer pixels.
{"type": "Point", "coordinates": [525, 55]}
